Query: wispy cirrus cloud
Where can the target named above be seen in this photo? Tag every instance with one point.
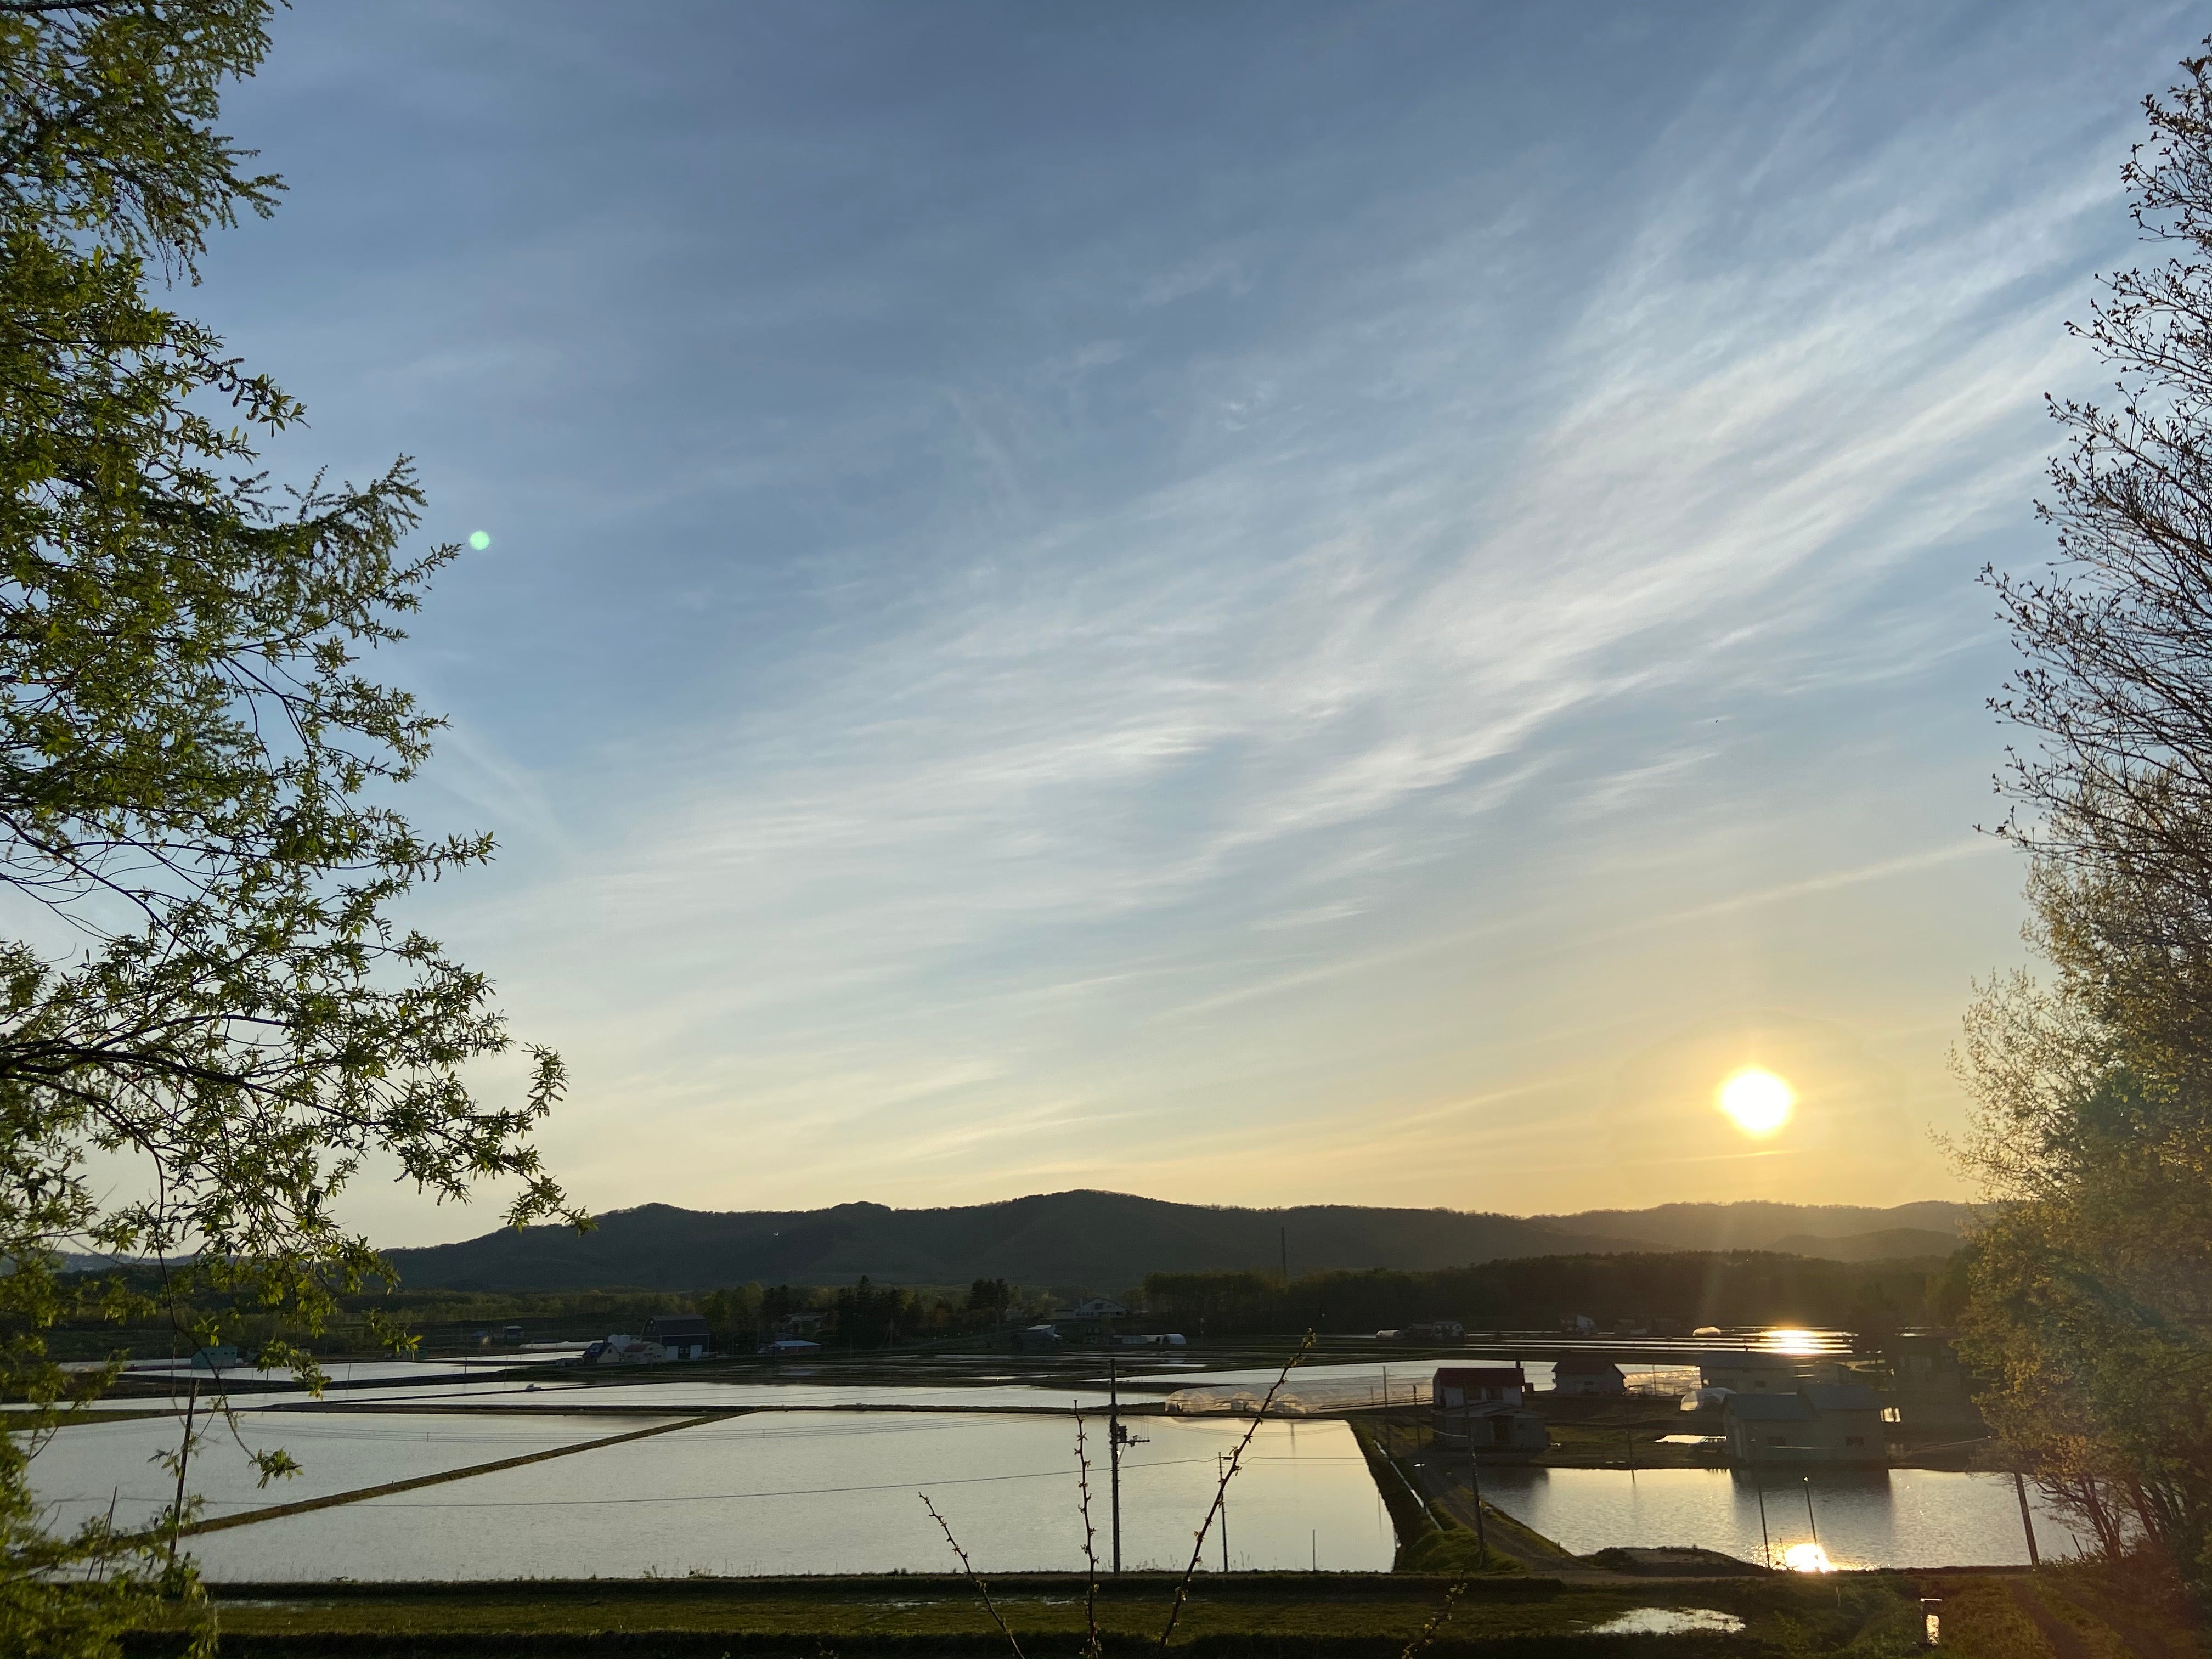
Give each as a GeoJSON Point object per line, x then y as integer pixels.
{"type": "Point", "coordinates": [1334, 638]}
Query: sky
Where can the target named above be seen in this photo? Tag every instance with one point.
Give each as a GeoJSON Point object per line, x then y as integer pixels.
{"type": "Point", "coordinates": [1251, 604]}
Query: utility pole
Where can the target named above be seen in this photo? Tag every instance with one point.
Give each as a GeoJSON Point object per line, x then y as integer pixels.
{"type": "Point", "coordinates": [1474, 1486]}
{"type": "Point", "coordinates": [1220, 1468]}
{"type": "Point", "coordinates": [1766, 1542]}
{"type": "Point", "coordinates": [1113, 1449]}
{"type": "Point", "coordinates": [2027, 1522]}
{"type": "Point", "coordinates": [1817, 1556]}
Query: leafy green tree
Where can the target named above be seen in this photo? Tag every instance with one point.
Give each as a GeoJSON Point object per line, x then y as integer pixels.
{"type": "Point", "coordinates": [2090, 1292]}
{"type": "Point", "coordinates": [735, 1314]}
{"type": "Point", "coordinates": [207, 987]}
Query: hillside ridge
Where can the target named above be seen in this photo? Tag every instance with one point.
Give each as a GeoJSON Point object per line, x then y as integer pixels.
{"type": "Point", "coordinates": [1107, 1242]}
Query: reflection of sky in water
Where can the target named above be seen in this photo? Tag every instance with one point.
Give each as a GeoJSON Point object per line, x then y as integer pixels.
{"type": "Point", "coordinates": [800, 1492]}
{"type": "Point", "coordinates": [1879, 1517]}
{"type": "Point", "coordinates": [821, 1492]}
{"type": "Point", "coordinates": [83, 1469]}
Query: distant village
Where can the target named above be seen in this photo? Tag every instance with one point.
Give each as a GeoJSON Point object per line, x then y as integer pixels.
{"type": "Point", "coordinates": [1749, 1404]}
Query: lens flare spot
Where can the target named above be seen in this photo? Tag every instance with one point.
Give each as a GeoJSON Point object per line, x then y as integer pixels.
{"type": "Point", "coordinates": [480, 539]}
{"type": "Point", "coordinates": [1759, 1102]}
{"type": "Point", "coordinates": [1806, 1557]}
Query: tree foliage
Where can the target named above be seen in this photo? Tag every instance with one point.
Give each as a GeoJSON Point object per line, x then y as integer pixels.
{"type": "Point", "coordinates": [2091, 1311]}
{"type": "Point", "coordinates": [1688, 1288]}
{"type": "Point", "coordinates": [206, 986]}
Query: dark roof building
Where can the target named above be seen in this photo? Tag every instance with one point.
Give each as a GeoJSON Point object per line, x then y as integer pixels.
{"type": "Point", "coordinates": [1587, 1374]}
{"type": "Point", "coordinates": [1458, 1387]}
{"type": "Point", "coordinates": [1817, 1423]}
{"type": "Point", "coordinates": [1479, 1408]}
{"type": "Point", "coordinates": [681, 1336]}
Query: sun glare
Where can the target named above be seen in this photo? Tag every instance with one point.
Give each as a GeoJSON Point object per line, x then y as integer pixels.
{"type": "Point", "coordinates": [1758, 1101]}
{"type": "Point", "coordinates": [1806, 1557]}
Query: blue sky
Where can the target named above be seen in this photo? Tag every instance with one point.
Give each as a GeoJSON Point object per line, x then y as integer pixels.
{"type": "Point", "coordinates": [1253, 603]}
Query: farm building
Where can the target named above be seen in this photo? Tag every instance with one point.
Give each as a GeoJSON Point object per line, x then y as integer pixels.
{"type": "Point", "coordinates": [1748, 1371]}
{"type": "Point", "coordinates": [1587, 1374]}
{"type": "Point", "coordinates": [1817, 1423]}
{"type": "Point", "coordinates": [1479, 1387]}
{"type": "Point", "coordinates": [679, 1336]}
{"type": "Point", "coordinates": [1478, 1408]}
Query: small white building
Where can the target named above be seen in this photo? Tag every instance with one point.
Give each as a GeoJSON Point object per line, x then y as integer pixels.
{"type": "Point", "coordinates": [667, 1336]}
{"type": "Point", "coordinates": [1478, 1387]}
{"type": "Point", "coordinates": [1480, 1409]}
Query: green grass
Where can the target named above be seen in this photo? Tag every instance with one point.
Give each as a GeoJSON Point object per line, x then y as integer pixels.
{"type": "Point", "coordinates": [1453, 1550]}
{"type": "Point", "coordinates": [1994, 1616]}
{"type": "Point", "coordinates": [1347, 1615]}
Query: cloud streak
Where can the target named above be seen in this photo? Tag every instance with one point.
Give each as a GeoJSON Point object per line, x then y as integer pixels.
{"type": "Point", "coordinates": [1338, 655]}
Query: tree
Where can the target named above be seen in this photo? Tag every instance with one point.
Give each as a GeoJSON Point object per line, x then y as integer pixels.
{"type": "Point", "coordinates": [197, 836]}
{"type": "Point", "coordinates": [990, 1295]}
{"type": "Point", "coordinates": [735, 1313]}
{"type": "Point", "coordinates": [2090, 1292]}
{"type": "Point", "coordinates": [2115, 683]}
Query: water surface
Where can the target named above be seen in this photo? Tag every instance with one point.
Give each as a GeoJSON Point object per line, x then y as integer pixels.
{"type": "Point", "coordinates": [806, 1492]}
{"type": "Point", "coordinates": [1878, 1517]}
{"type": "Point", "coordinates": [81, 1471]}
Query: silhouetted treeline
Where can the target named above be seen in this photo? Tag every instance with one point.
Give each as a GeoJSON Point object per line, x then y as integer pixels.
{"type": "Point", "coordinates": [1686, 1289]}
{"type": "Point", "coordinates": [863, 1315]}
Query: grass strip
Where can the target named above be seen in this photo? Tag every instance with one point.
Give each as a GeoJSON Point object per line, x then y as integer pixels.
{"type": "Point", "coordinates": [1296, 1616]}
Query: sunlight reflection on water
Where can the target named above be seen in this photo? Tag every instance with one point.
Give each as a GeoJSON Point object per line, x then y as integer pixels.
{"type": "Point", "coordinates": [1806, 1557]}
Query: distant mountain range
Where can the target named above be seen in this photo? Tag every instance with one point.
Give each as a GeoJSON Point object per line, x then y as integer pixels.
{"type": "Point", "coordinates": [1108, 1242]}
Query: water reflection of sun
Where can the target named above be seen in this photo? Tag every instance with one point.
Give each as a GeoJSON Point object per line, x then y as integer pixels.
{"type": "Point", "coordinates": [1806, 1557]}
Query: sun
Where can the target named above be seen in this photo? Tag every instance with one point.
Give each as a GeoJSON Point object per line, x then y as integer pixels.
{"type": "Point", "coordinates": [1758, 1101]}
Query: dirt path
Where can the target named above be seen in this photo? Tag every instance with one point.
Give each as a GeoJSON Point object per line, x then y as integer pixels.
{"type": "Point", "coordinates": [2063, 1641]}
{"type": "Point", "coordinates": [1510, 1540]}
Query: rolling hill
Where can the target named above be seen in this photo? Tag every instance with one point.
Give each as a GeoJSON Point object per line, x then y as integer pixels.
{"type": "Point", "coordinates": [1885, 1244]}
{"type": "Point", "coordinates": [1093, 1240]}
{"type": "Point", "coordinates": [1766, 1226]}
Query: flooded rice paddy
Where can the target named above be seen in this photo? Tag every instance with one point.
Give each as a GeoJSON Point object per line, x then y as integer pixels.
{"type": "Point", "coordinates": [772, 1492]}
{"type": "Point", "coordinates": [823, 1473]}
{"type": "Point", "coordinates": [1870, 1518]}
